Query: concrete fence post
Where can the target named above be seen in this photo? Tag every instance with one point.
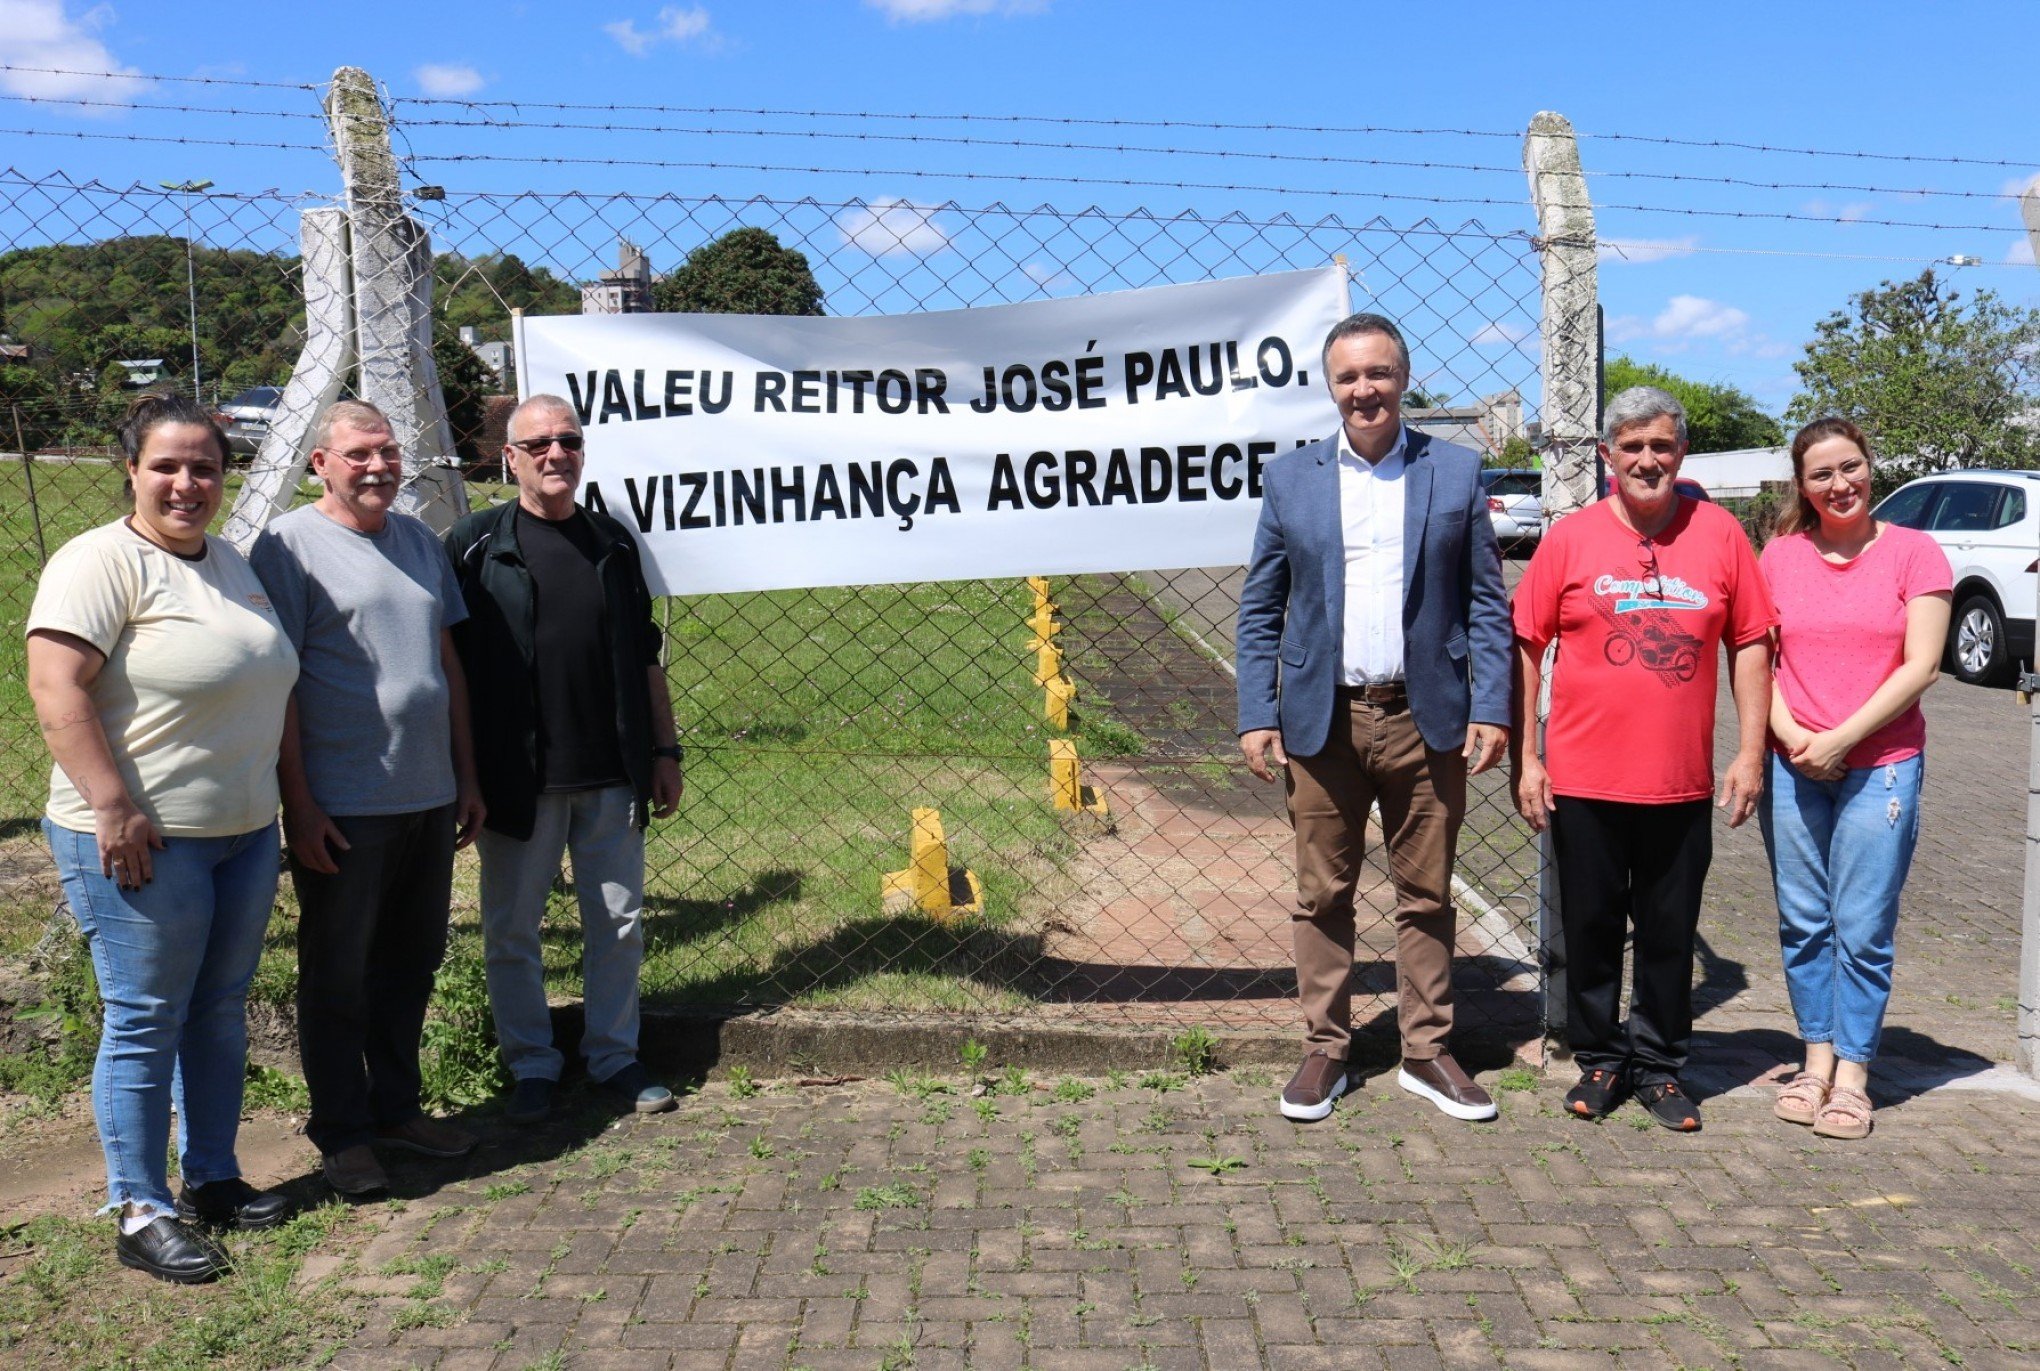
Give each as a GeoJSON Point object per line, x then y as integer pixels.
{"type": "Point", "coordinates": [2028, 1055]}
{"type": "Point", "coordinates": [392, 262]}
{"type": "Point", "coordinates": [1569, 334]}
{"type": "Point", "coordinates": [323, 366]}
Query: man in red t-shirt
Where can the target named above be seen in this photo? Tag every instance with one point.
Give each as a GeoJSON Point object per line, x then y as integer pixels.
{"type": "Point", "coordinates": [1637, 593]}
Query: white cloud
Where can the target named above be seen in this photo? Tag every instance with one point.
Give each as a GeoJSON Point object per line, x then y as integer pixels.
{"type": "Point", "coordinates": [2020, 254]}
{"type": "Point", "coordinates": [2019, 185]}
{"type": "Point", "coordinates": [892, 228]}
{"type": "Point", "coordinates": [1689, 316]}
{"type": "Point", "coordinates": [927, 11]}
{"type": "Point", "coordinates": [674, 24]}
{"type": "Point", "coordinates": [1637, 250]}
{"type": "Point", "coordinates": [1501, 335]}
{"type": "Point", "coordinates": [448, 79]}
{"type": "Point", "coordinates": [1847, 212]}
{"type": "Point", "coordinates": [1683, 320]}
{"type": "Point", "coordinates": [38, 33]}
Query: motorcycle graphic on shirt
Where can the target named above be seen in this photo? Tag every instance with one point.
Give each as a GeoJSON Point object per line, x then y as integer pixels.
{"type": "Point", "coordinates": [1642, 618]}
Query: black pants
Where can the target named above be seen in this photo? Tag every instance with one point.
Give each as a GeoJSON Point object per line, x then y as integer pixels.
{"type": "Point", "coordinates": [370, 939]}
{"type": "Point", "coordinates": [1624, 867]}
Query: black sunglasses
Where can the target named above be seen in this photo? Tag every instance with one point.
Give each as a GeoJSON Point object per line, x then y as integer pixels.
{"type": "Point", "coordinates": [538, 447]}
{"type": "Point", "coordinates": [1653, 579]}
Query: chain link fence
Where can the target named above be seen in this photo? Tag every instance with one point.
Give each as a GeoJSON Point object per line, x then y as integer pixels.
{"type": "Point", "coordinates": [816, 722]}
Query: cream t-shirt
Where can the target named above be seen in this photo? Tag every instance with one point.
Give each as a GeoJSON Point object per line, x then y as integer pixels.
{"type": "Point", "coordinates": [197, 674]}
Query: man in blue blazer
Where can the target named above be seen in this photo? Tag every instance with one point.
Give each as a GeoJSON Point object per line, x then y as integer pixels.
{"type": "Point", "coordinates": [1373, 651]}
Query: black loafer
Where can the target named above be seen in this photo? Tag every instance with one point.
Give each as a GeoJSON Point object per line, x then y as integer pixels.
{"type": "Point", "coordinates": [233, 1203]}
{"type": "Point", "coordinates": [170, 1250]}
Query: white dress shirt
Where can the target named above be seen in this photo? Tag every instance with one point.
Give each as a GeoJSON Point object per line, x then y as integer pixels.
{"type": "Point", "coordinates": [1371, 514]}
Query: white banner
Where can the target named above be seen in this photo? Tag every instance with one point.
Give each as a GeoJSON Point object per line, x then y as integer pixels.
{"type": "Point", "coordinates": [1108, 433]}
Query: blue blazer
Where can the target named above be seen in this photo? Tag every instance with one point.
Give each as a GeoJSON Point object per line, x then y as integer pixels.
{"type": "Point", "coordinates": [1456, 634]}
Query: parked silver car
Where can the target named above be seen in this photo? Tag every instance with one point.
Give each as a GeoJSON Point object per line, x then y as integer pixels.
{"type": "Point", "coordinates": [246, 418]}
{"type": "Point", "coordinates": [1515, 501]}
{"type": "Point", "coordinates": [1988, 522]}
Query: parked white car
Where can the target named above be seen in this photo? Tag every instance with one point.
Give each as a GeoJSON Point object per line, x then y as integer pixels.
{"type": "Point", "coordinates": [1988, 522]}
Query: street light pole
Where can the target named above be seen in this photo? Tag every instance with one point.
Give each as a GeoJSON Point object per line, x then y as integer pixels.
{"type": "Point", "coordinates": [188, 189]}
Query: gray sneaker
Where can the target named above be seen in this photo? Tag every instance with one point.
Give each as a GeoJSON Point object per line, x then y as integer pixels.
{"type": "Point", "coordinates": [530, 1100]}
{"type": "Point", "coordinates": [634, 1088]}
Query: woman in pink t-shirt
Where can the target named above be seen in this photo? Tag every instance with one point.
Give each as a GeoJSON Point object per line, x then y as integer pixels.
{"type": "Point", "coordinates": [1863, 615]}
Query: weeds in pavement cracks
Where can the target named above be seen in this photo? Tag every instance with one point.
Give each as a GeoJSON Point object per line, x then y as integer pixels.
{"type": "Point", "coordinates": [1195, 1050]}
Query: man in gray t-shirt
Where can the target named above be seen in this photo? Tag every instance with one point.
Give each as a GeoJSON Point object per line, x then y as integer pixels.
{"type": "Point", "coordinates": [379, 789]}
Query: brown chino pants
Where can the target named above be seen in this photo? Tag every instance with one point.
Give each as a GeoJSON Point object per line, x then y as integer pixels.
{"type": "Point", "coordinates": [1375, 756]}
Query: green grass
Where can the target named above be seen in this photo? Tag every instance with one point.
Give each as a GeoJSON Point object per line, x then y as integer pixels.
{"type": "Point", "coordinates": [814, 721]}
{"type": "Point", "coordinates": [68, 1304]}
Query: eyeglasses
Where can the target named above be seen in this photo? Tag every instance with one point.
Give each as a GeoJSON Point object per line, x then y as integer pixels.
{"type": "Point", "coordinates": [361, 457]}
{"type": "Point", "coordinates": [538, 447]}
{"type": "Point", "coordinates": [1851, 470]}
{"type": "Point", "coordinates": [1653, 579]}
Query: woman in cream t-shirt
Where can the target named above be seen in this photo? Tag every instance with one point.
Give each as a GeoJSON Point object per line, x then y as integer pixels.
{"type": "Point", "coordinates": [159, 674]}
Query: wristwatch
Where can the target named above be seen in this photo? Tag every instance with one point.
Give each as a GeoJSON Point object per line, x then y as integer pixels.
{"type": "Point", "coordinates": [672, 750]}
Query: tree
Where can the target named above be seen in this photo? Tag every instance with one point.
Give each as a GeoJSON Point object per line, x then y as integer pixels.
{"type": "Point", "coordinates": [1934, 382]}
{"type": "Point", "coordinates": [466, 382]}
{"type": "Point", "coordinates": [1719, 418]}
{"type": "Point", "coordinates": [480, 292]}
{"type": "Point", "coordinates": [746, 271]}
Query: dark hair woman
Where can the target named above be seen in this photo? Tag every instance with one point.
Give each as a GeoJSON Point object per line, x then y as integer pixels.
{"type": "Point", "coordinates": [159, 675]}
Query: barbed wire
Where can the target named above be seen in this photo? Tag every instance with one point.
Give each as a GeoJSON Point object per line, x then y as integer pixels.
{"type": "Point", "coordinates": [1939, 159]}
{"type": "Point", "coordinates": [1229, 154]}
{"type": "Point", "coordinates": [1216, 126]}
{"type": "Point", "coordinates": [147, 76]}
{"type": "Point", "coordinates": [165, 138]}
{"type": "Point", "coordinates": [1147, 183]}
{"type": "Point", "coordinates": [140, 107]}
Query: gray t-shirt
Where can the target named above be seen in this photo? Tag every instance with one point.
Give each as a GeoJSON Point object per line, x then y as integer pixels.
{"type": "Point", "coordinates": [365, 613]}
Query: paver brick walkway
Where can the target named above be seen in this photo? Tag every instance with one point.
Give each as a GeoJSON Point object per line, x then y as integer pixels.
{"type": "Point", "coordinates": [861, 1226]}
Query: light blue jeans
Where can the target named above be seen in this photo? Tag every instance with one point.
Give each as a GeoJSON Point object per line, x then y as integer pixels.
{"type": "Point", "coordinates": [609, 875]}
{"type": "Point", "coordinates": [173, 959]}
{"type": "Point", "coordinates": [1840, 851]}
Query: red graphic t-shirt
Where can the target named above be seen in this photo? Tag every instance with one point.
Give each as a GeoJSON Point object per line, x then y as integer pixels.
{"type": "Point", "coordinates": [1639, 624]}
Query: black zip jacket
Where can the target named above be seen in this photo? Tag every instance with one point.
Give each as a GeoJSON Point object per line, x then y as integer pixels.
{"type": "Point", "coordinates": [495, 646]}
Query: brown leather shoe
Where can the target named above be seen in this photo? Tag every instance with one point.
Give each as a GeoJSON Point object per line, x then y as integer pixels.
{"type": "Point", "coordinates": [1320, 1080]}
{"type": "Point", "coordinates": [354, 1171]}
{"type": "Point", "coordinates": [429, 1137]}
{"type": "Point", "coordinates": [1441, 1081]}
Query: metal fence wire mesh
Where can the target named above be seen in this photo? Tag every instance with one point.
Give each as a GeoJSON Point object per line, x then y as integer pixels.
{"type": "Point", "coordinates": [817, 721]}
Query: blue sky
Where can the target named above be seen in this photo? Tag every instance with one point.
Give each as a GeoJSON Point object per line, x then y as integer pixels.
{"type": "Point", "coordinates": [1706, 293]}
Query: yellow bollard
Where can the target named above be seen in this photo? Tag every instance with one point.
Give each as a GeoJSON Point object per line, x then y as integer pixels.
{"type": "Point", "coordinates": [1047, 663]}
{"type": "Point", "coordinates": [928, 883]}
{"type": "Point", "coordinates": [1043, 605]}
{"type": "Point", "coordinates": [1044, 627]}
{"type": "Point", "coordinates": [1065, 780]}
{"type": "Point", "coordinates": [1057, 705]}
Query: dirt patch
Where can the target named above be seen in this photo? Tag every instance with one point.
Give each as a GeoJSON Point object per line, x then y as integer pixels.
{"type": "Point", "coordinates": [51, 1163]}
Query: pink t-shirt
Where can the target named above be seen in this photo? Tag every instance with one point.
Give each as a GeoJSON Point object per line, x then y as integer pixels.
{"type": "Point", "coordinates": [1842, 631]}
{"type": "Point", "coordinates": [1640, 624]}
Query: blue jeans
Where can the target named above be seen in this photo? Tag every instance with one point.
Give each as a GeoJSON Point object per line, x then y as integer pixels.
{"type": "Point", "coordinates": [1840, 851]}
{"type": "Point", "coordinates": [173, 959]}
{"type": "Point", "coordinates": [609, 876]}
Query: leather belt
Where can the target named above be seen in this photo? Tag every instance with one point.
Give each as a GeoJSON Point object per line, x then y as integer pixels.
{"type": "Point", "coordinates": [1390, 694]}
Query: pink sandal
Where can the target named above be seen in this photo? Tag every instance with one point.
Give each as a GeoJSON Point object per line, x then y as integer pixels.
{"type": "Point", "coordinates": [1845, 1115]}
{"type": "Point", "coordinates": [1800, 1099]}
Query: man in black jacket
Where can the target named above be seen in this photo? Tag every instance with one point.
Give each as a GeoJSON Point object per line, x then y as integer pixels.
{"type": "Point", "coordinates": [576, 749]}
